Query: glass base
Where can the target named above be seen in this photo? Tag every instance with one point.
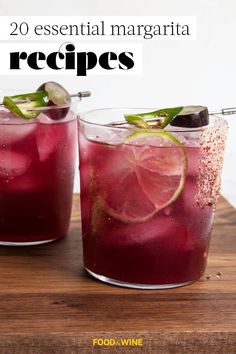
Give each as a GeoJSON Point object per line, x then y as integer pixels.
{"type": "Point", "coordinates": [136, 285]}
{"type": "Point", "coordinates": [32, 243]}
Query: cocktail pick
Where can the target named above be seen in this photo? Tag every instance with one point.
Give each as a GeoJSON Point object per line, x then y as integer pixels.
{"type": "Point", "coordinates": [80, 95]}
{"type": "Point", "coordinates": [223, 111]}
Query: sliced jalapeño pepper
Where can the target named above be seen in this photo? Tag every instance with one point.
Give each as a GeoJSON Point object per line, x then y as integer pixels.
{"type": "Point", "coordinates": [23, 105]}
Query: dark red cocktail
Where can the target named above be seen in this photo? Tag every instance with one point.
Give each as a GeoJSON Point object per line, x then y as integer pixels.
{"type": "Point", "coordinates": [147, 200]}
{"type": "Point", "coordinates": [36, 178]}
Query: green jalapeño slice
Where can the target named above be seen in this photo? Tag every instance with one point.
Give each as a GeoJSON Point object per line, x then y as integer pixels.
{"type": "Point", "coordinates": [24, 105]}
{"type": "Point", "coordinates": [155, 119]}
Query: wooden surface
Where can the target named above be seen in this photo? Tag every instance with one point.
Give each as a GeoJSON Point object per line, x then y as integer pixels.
{"type": "Point", "coordinates": [50, 305]}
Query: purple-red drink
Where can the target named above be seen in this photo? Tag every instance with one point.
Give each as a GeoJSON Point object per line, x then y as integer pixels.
{"type": "Point", "coordinates": [36, 178]}
{"type": "Point", "coordinates": [147, 203]}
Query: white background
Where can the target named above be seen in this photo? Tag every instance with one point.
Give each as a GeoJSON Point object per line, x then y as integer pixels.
{"type": "Point", "coordinates": [175, 72]}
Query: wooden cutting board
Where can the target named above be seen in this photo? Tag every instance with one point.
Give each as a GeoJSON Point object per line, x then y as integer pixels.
{"type": "Point", "coordinates": [50, 305]}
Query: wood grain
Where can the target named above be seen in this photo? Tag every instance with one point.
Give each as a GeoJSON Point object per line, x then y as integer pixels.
{"type": "Point", "coordinates": [50, 305]}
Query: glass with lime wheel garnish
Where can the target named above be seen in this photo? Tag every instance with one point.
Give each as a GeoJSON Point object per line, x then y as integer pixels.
{"type": "Point", "coordinates": [38, 139]}
{"type": "Point", "coordinates": [149, 184]}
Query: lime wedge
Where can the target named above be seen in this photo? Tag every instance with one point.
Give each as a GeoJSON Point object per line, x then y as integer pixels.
{"type": "Point", "coordinates": [142, 176]}
{"type": "Point", "coordinates": [29, 102]}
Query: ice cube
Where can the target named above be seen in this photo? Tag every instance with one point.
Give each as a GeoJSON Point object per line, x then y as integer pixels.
{"type": "Point", "coordinates": [192, 138]}
{"type": "Point", "coordinates": [13, 163]}
{"type": "Point", "coordinates": [194, 157]}
{"type": "Point", "coordinates": [47, 139]}
{"type": "Point", "coordinates": [55, 137]}
{"type": "Point", "coordinates": [159, 229]}
{"type": "Point", "coordinates": [14, 129]}
{"type": "Point", "coordinates": [198, 219]}
{"type": "Point", "coordinates": [105, 135]}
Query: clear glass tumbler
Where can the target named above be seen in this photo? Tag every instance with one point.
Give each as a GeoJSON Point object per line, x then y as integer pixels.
{"type": "Point", "coordinates": [147, 198]}
{"type": "Point", "coordinates": [37, 160]}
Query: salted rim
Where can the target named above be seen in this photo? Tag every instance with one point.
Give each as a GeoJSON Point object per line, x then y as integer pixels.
{"type": "Point", "coordinates": [214, 120]}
